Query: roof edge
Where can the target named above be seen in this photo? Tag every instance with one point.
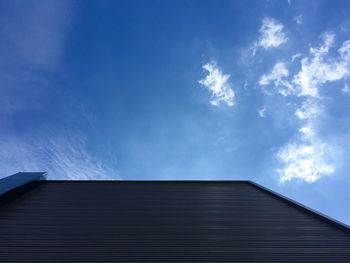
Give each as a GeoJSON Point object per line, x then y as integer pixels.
{"type": "Point", "coordinates": [148, 181]}
{"type": "Point", "coordinates": [306, 209]}
{"type": "Point", "coordinates": [13, 185]}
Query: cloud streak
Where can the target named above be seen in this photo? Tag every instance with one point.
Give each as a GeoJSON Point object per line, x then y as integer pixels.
{"type": "Point", "coordinates": [33, 39]}
{"type": "Point", "coordinates": [62, 156]}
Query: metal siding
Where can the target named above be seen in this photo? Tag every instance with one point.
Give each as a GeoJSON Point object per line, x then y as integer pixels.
{"type": "Point", "coordinates": [163, 222]}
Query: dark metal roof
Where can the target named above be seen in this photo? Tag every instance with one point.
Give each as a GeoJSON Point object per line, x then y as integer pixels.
{"type": "Point", "coordinates": [164, 221]}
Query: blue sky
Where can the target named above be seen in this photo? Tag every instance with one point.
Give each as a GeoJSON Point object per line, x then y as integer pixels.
{"type": "Point", "coordinates": [254, 90]}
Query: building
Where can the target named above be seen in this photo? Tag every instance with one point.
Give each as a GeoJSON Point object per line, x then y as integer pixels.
{"type": "Point", "coordinates": [160, 221]}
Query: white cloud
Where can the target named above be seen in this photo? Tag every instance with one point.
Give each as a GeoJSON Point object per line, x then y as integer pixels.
{"type": "Point", "coordinates": [278, 77]}
{"type": "Point", "coordinates": [344, 51]}
{"type": "Point", "coordinates": [316, 70]}
{"type": "Point", "coordinates": [218, 84]}
{"type": "Point", "coordinates": [271, 34]}
{"type": "Point", "coordinates": [279, 71]}
{"type": "Point", "coordinates": [307, 157]}
{"type": "Point", "coordinates": [328, 41]}
{"type": "Point", "coordinates": [307, 161]}
{"type": "Point", "coordinates": [310, 109]}
{"type": "Point", "coordinates": [307, 132]}
{"type": "Point", "coordinates": [262, 112]}
{"type": "Point", "coordinates": [63, 157]}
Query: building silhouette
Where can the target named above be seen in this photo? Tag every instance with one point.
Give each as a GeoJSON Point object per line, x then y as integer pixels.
{"type": "Point", "coordinates": [160, 221]}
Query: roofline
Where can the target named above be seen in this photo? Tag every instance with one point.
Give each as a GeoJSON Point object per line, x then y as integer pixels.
{"type": "Point", "coordinates": [150, 181]}
{"type": "Point", "coordinates": [17, 184]}
{"type": "Point", "coordinates": [304, 208]}
{"type": "Point", "coordinates": [11, 182]}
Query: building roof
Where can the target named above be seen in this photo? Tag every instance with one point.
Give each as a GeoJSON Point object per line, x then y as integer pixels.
{"type": "Point", "coordinates": [163, 221]}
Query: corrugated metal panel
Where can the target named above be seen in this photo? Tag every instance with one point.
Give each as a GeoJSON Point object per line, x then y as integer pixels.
{"type": "Point", "coordinates": [163, 222]}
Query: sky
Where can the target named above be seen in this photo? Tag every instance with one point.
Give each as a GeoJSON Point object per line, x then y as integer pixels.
{"type": "Point", "coordinates": [180, 90]}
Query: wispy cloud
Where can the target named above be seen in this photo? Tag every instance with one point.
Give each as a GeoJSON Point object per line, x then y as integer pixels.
{"type": "Point", "coordinates": [319, 69]}
{"type": "Point", "coordinates": [310, 109]}
{"type": "Point", "coordinates": [271, 35]}
{"type": "Point", "coordinates": [308, 157]}
{"type": "Point", "coordinates": [278, 77]}
{"type": "Point", "coordinates": [62, 156]}
{"type": "Point", "coordinates": [33, 39]}
{"type": "Point", "coordinates": [316, 70]}
{"type": "Point", "coordinates": [217, 83]}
